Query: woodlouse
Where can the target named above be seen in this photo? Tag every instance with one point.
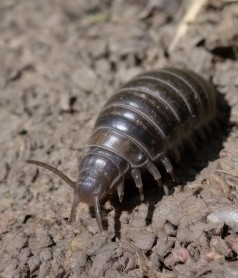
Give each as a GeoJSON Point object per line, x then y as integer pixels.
{"type": "Point", "coordinates": [147, 119]}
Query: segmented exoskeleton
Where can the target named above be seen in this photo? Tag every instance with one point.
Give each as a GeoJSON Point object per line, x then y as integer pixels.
{"type": "Point", "coordinates": [147, 120]}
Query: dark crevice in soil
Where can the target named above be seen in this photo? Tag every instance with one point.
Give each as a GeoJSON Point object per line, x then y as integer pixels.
{"type": "Point", "coordinates": [225, 231]}
{"type": "Point", "coordinates": [201, 43]}
{"type": "Point", "coordinates": [26, 218]}
{"type": "Point", "coordinates": [16, 75]}
{"type": "Point", "coordinates": [149, 215]}
{"type": "Point", "coordinates": [226, 52]}
{"type": "Point", "coordinates": [22, 132]}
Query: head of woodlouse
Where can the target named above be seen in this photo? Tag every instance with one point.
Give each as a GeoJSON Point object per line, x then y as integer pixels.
{"type": "Point", "coordinates": [97, 176]}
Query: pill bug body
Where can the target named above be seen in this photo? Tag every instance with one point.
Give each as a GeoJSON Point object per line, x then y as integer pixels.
{"type": "Point", "coordinates": [146, 121]}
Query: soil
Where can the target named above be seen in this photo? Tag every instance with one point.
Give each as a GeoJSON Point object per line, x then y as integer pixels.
{"type": "Point", "coordinates": [59, 63]}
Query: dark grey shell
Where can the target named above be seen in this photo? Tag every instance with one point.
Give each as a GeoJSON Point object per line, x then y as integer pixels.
{"type": "Point", "coordinates": [146, 121]}
{"type": "Point", "coordinates": [153, 114]}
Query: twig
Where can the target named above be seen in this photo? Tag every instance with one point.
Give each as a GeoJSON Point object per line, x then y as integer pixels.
{"type": "Point", "coordinates": [190, 15]}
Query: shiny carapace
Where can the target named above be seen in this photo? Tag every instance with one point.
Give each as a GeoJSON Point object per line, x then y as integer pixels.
{"type": "Point", "coordinates": [143, 125]}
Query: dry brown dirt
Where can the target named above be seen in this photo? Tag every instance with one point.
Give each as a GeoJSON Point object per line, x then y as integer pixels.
{"type": "Point", "coordinates": [59, 62]}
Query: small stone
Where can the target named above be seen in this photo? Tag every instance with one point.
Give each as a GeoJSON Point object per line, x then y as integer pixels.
{"type": "Point", "coordinates": [10, 268]}
{"type": "Point", "coordinates": [24, 254]}
{"type": "Point", "coordinates": [142, 239]}
{"type": "Point", "coordinates": [218, 245]}
{"type": "Point", "coordinates": [85, 78]}
{"type": "Point", "coordinates": [178, 255]}
{"type": "Point", "coordinates": [34, 263]}
{"type": "Point", "coordinates": [16, 242]}
{"type": "Point", "coordinates": [227, 214]}
{"type": "Point", "coordinates": [43, 239]}
{"type": "Point", "coordinates": [45, 255]}
{"type": "Point", "coordinates": [78, 262]}
{"type": "Point", "coordinates": [58, 269]}
{"type": "Point", "coordinates": [232, 242]}
{"type": "Point", "coordinates": [45, 270]}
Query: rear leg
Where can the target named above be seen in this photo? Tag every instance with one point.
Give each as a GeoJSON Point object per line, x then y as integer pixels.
{"type": "Point", "coordinates": [157, 176]}
{"type": "Point", "coordinates": [120, 189]}
{"type": "Point", "coordinates": [168, 167]}
{"type": "Point", "coordinates": [138, 181]}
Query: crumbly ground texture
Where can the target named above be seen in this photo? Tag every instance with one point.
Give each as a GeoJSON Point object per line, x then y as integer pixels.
{"type": "Point", "coordinates": [59, 63]}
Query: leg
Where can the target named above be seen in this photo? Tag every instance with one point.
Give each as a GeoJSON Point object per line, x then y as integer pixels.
{"type": "Point", "coordinates": [120, 189]}
{"type": "Point", "coordinates": [138, 181]}
{"type": "Point", "coordinates": [74, 207]}
{"type": "Point", "coordinates": [98, 212]}
{"type": "Point", "coordinates": [154, 172]}
{"type": "Point", "coordinates": [157, 176]}
{"type": "Point", "coordinates": [168, 167]}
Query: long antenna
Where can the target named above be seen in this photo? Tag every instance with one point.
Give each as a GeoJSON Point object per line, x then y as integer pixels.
{"type": "Point", "coordinates": [53, 170]}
